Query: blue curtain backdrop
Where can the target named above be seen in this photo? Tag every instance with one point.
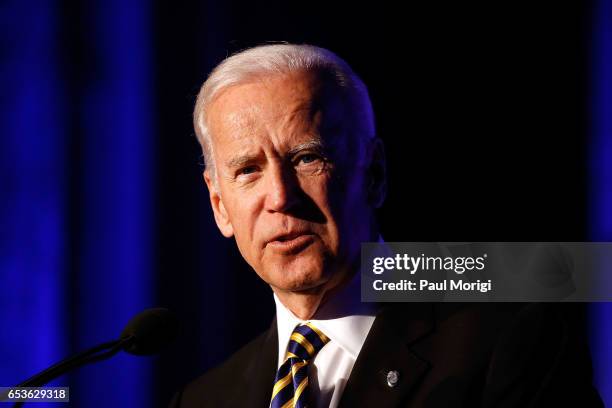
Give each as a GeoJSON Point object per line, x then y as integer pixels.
{"type": "Point", "coordinates": [77, 202]}
{"type": "Point", "coordinates": [33, 188]}
{"type": "Point", "coordinates": [601, 184]}
{"type": "Point", "coordinates": [115, 267]}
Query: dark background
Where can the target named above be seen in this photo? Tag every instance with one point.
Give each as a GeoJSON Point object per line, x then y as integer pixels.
{"type": "Point", "coordinates": [484, 108]}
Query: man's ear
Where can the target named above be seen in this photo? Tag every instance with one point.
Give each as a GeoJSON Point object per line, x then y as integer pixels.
{"type": "Point", "coordinates": [376, 176]}
{"type": "Point", "coordinates": [221, 216]}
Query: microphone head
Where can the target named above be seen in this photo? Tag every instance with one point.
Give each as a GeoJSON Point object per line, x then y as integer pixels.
{"type": "Point", "coordinates": [150, 331]}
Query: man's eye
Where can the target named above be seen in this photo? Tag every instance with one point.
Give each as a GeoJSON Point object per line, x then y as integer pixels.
{"type": "Point", "coordinates": [247, 170]}
{"type": "Point", "coordinates": [308, 158]}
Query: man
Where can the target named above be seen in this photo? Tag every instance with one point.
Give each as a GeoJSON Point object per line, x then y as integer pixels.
{"type": "Point", "coordinates": [295, 173]}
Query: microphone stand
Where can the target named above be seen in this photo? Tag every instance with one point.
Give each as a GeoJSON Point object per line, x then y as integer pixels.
{"type": "Point", "coordinates": [98, 353]}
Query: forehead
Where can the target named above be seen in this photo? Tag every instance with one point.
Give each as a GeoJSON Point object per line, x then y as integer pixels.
{"type": "Point", "coordinates": [300, 98]}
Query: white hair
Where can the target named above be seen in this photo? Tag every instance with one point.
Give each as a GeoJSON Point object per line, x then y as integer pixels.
{"type": "Point", "coordinates": [280, 59]}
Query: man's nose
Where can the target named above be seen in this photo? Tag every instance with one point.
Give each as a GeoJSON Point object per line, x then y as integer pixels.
{"type": "Point", "coordinates": [282, 189]}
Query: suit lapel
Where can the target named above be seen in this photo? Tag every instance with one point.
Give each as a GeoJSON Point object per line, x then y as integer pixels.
{"type": "Point", "coordinates": [259, 374]}
{"type": "Point", "coordinates": [388, 348]}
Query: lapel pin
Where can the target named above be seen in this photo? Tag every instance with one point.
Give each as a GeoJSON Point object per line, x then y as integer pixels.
{"type": "Point", "coordinates": [393, 378]}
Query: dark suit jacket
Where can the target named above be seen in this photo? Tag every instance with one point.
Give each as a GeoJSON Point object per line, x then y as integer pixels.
{"type": "Point", "coordinates": [448, 355]}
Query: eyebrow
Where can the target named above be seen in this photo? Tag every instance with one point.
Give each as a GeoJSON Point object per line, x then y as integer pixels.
{"type": "Point", "coordinates": [316, 144]}
{"type": "Point", "coordinates": [239, 161]}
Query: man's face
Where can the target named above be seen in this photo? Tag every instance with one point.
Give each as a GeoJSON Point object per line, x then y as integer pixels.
{"type": "Point", "coordinates": [290, 185]}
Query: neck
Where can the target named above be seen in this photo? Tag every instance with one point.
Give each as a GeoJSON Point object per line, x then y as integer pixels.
{"type": "Point", "coordinates": [302, 305]}
{"type": "Point", "coordinates": [305, 304]}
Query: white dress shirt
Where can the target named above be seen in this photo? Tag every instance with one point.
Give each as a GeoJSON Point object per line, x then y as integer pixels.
{"type": "Point", "coordinates": [346, 321]}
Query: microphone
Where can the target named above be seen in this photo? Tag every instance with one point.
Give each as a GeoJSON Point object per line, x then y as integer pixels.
{"type": "Point", "coordinates": [147, 333]}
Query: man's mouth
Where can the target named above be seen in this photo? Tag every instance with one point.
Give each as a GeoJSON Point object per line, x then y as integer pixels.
{"type": "Point", "coordinates": [291, 243]}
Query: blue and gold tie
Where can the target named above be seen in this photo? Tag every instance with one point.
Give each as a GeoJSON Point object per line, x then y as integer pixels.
{"type": "Point", "coordinates": [291, 383]}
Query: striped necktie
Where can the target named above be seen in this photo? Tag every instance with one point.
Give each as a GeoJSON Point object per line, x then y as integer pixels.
{"type": "Point", "coordinates": [291, 383]}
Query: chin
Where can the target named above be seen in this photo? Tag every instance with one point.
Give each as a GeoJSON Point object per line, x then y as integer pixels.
{"type": "Point", "coordinates": [297, 275]}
